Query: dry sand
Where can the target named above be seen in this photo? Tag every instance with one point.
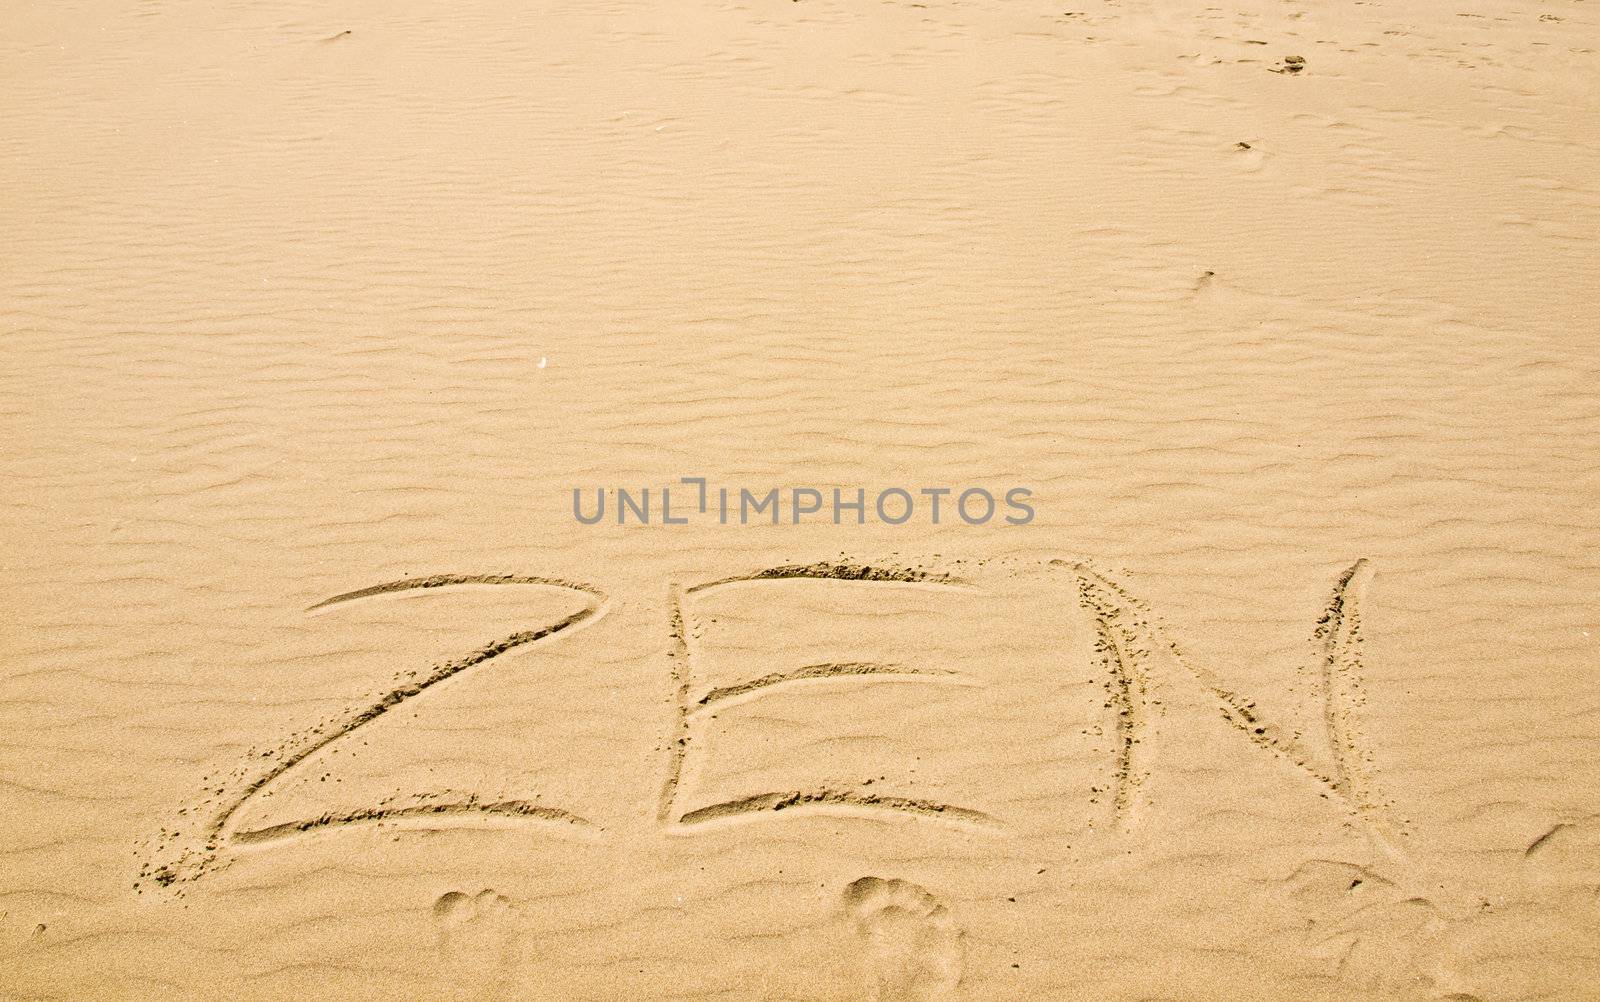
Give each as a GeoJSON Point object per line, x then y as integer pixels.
{"type": "Point", "coordinates": [1287, 691]}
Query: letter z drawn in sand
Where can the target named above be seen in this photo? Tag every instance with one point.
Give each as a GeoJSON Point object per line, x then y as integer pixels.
{"type": "Point", "coordinates": [228, 829]}
{"type": "Point", "coordinates": [696, 702]}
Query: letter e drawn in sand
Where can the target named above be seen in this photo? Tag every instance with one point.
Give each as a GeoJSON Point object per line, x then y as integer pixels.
{"type": "Point", "coordinates": [695, 704]}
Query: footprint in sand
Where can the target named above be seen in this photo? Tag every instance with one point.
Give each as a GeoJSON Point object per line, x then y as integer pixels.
{"type": "Point", "coordinates": [913, 949]}
{"type": "Point", "coordinates": [1370, 931]}
{"type": "Point", "coordinates": [476, 933]}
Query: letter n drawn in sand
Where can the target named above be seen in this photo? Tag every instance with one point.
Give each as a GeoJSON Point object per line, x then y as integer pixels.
{"type": "Point", "coordinates": [1330, 751]}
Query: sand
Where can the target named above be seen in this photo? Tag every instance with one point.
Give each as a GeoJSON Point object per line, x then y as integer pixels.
{"type": "Point", "coordinates": [312, 685]}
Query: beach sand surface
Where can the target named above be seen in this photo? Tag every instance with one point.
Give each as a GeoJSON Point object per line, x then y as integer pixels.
{"type": "Point", "coordinates": [314, 316]}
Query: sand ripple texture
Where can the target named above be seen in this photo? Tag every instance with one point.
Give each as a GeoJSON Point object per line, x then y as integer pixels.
{"type": "Point", "coordinates": [1289, 691]}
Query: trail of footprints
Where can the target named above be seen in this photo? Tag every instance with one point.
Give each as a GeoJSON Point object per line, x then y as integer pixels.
{"type": "Point", "coordinates": [1127, 636]}
{"type": "Point", "coordinates": [908, 947]}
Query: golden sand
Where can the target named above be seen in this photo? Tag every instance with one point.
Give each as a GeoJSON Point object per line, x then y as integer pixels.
{"type": "Point", "coordinates": [1283, 314]}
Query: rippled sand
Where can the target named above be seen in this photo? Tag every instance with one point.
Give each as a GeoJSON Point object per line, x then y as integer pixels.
{"type": "Point", "coordinates": [312, 686]}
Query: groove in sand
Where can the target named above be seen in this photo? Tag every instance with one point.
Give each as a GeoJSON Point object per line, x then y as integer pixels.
{"type": "Point", "coordinates": [444, 580]}
{"type": "Point", "coordinates": [1127, 691]}
{"type": "Point", "coordinates": [518, 809]}
{"type": "Point", "coordinates": [1340, 673]}
{"type": "Point", "coordinates": [678, 667]}
{"type": "Point", "coordinates": [798, 799]}
{"type": "Point", "coordinates": [827, 670]}
{"type": "Point", "coordinates": [838, 571]}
